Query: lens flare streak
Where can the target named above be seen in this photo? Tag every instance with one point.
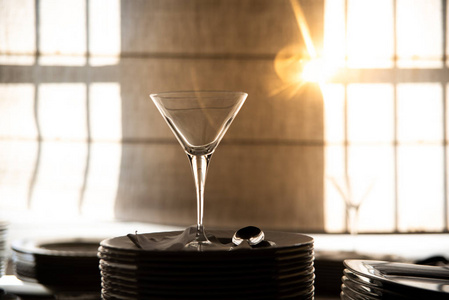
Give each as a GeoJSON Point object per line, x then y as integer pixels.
{"type": "Point", "coordinates": [303, 27]}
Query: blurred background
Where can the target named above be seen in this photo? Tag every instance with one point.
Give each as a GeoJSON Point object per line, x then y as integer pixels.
{"type": "Point", "coordinates": [347, 109]}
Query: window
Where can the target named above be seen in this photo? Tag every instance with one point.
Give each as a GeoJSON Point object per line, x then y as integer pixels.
{"type": "Point", "coordinates": [60, 128]}
{"type": "Point", "coordinates": [385, 107]}
{"type": "Point", "coordinates": [386, 114]}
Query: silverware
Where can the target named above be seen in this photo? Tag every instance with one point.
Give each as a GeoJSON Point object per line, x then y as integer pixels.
{"type": "Point", "coordinates": [251, 234]}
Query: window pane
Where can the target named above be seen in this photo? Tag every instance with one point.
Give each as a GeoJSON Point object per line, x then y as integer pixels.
{"type": "Point", "coordinates": [62, 29]}
{"type": "Point", "coordinates": [104, 27]}
{"type": "Point", "coordinates": [17, 163]}
{"type": "Point", "coordinates": [419, 33]}
{"type": "Point", "coordinates": [334, 112]}
{"type": "Point", "coordinates": [369, 181]}
{"type": "Point", "coordinates": [62, 60]}
{"type": "Point", "coordinates": [334, 204]}
{"type": "Point", "coordinates": [420, 112]}
{"type": "Point", "coordinates": [371, 170]}
{"type": "Point", "coordinates": [17, 19]}
{"type": "Point", "coordinates": [420, 188]}
{"type": "Point", "coordinates": [59, 178]}
{"type": "Point", "coordinates": [102, 180]}
{"type": "Point", "coordinates": [370, 113]}
{"type": "Point", "coordinates": [62, 111]}
{"type": "Point", "coordinates": [17, 111]}
{"type": "Point", "coordinates": [17, 59]}
{"type": "Point", "coordinates": [105, 111]}
{"type": "Point", "coordinates": [334, 33]}
{"type": "Point", "coordinates": [370, 33]}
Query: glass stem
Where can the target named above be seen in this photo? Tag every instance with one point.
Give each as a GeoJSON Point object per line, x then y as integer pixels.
{"type": "Point", "coordinates": [353, 220]}
{"type": "Point", "coordinates": [353, 225]}
{"type": "Point", "coordinates": [199, 164]}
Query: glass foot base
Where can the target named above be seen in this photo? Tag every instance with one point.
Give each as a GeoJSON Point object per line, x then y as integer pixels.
{"type": "Point", "coordinates": [202, 243]}
{"type": "Point", "coordinates": [198, 245]}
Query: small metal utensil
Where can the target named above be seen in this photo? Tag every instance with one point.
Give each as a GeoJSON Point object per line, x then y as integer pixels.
{"type": "Point", "coordinates": [251, 234]}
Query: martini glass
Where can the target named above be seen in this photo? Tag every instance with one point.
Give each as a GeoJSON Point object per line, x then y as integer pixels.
{"type": "Point", "coordinates": [199, 120]}
{"type": "Point", "coordinates": [353, 190]}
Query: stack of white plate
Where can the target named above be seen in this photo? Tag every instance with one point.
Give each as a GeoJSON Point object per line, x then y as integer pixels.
{"type": "Point", "coordinates": [280, 270]}
{"type": "Point", "coordinates": [370, 279]}
{"type": "Point", "coordinates": [3, 247]}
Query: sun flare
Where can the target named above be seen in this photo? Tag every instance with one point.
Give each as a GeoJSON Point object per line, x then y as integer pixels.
{"type": "Point", "coordinates": [298, 64]}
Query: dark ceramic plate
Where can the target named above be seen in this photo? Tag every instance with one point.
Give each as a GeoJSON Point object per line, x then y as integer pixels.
{"type": "Point", "coordinates": [58, 262]}
{"type": "Point", "coordinates": [198, 292]}
{"type": "Point", "coordinates": [78, 247]}
{"type": "Point", "coordinates": [284, 241]}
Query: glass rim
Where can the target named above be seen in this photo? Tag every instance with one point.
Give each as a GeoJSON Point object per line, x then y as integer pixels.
{"type": "Point", "coordinates": [192, 92]}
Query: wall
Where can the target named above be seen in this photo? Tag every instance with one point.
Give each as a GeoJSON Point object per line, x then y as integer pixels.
{"type": "Point", "coordinates": [267, 170]}
{"type": "Point", "coordinates": [119, 156]}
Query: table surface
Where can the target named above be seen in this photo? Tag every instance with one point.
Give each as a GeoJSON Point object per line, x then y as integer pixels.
{"type": "Point", "coordinates": [403, 247]}
{"type": "Point", "coordinates": [409, 246]}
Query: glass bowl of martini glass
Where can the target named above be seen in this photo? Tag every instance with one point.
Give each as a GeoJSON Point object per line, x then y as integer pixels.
{"type": "Point", "coordinates": [199, 120]}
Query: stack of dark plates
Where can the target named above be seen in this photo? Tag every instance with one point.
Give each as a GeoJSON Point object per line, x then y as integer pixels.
{"type": "Point", "coordinates": [3, 247]}
{"type": "Point", "coordinates": [370, 279]}
{"type": "Point", "coordinates": [282, 270]}
{"type": "Point", "coordinates": [59, 264]}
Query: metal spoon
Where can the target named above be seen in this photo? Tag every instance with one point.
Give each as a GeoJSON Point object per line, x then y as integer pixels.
{"type": "Point", "coordinates": [251, 234]}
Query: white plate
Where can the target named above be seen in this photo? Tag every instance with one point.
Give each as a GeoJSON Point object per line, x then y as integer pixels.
{"type": "Point", "coordinates": [404, 279]}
